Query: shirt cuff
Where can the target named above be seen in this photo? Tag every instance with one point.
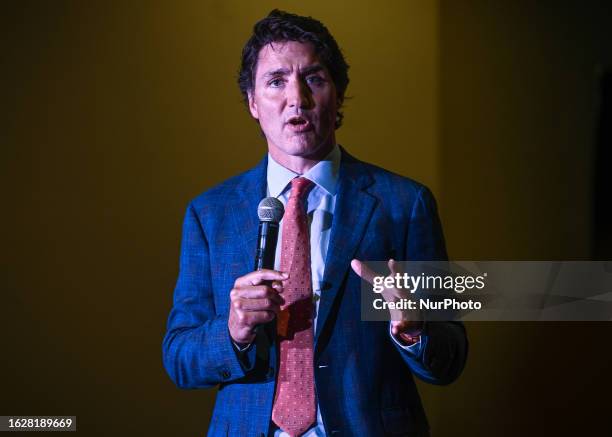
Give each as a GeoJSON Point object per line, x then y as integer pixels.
{"type": "Point", "coordinates": [241, 349]}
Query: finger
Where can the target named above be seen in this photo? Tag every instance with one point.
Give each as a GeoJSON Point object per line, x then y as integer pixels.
{"type": "Point", "coordinates": [258, 305]}
{"type": "Point", "coordinates": [277, 285]}
{"type": "Point", "coordinates": [390, 295]}
{"type": "Point", "coordinates": [363, 271]}
{"type": "Point", "coordinates": [413, 328]}
{"type": "Point", "coordinates": [395, 330]}
{"type": "Point", "coordinates": [393, 266]}
{"type": "Point", "coordinates": [251, 319]}
{"type": "Point", "coordinates": [398, 327]}
{"type": "Point", "coordinates": [265, 316]}
{"type": "Point", "coordinates": [255, 292]}
{"type": "Point", "coordinates": [259, 276]}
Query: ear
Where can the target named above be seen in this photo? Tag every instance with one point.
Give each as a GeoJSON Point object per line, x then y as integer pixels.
{"type": "Point", "coordinates": [252, 105]}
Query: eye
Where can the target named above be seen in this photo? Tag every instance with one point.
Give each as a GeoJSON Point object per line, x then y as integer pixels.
{"type": "Point", "coordinates": [275, 83]}
{"type": "Point", "coordinates": [315, 80]}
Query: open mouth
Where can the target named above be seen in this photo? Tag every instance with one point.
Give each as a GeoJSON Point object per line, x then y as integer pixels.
{"type": "Point", "coordinates": [297, 120]}
{"type": "Point", "coordinates": [298, 124]}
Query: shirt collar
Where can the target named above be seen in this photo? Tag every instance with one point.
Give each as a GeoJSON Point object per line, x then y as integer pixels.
{"type": "Point", "coordinates": [324, 174]}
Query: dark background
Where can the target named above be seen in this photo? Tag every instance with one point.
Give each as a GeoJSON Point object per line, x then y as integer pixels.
{"type": "Point", "coordinates": [115, 114]}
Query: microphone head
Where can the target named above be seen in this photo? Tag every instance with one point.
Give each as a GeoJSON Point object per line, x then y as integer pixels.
{"type": "Point", "coordinates": [270, 209]}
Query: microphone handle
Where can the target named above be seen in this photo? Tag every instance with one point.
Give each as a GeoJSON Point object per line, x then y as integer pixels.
{"type": "Point", "coordinates": [266, 245]}
{"type": "Point", "coordinates": [266, 250]}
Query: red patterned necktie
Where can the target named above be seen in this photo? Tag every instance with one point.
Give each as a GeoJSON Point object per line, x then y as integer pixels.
{"type": "Point", "coordinates": [294, 408]}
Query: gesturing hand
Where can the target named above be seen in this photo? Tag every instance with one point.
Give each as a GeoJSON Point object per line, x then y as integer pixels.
{"type": "Point", "coordinates": [404, 323]}
{"type": "Point", "coordinates": [254, 300]}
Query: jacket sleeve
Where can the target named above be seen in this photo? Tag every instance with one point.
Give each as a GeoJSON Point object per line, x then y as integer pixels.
{"type": "Point", "coordinates": [441, 357]}
{"type": "Point", "coordinates": [197, 348]}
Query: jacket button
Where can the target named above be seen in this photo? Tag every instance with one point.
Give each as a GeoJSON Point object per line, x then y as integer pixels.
{"type": "Point", "coordinates": [226, 374]}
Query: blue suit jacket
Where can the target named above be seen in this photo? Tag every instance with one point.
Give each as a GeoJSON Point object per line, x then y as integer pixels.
{"type": "Point", "coordinates": [364, 381]}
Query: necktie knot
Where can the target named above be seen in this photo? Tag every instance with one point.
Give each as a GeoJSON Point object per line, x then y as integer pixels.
{"type": "Point", "coordinates": [300, 187]}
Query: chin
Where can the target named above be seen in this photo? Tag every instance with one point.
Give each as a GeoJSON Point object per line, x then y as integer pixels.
{"type": "Point", "coordinates": [302, 148]}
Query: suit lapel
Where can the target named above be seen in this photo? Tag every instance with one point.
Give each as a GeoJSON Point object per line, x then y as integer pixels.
{"type": "Point", "coordinates": [244, 213]}
{"type": "Point", "coordinates": [354, 207]}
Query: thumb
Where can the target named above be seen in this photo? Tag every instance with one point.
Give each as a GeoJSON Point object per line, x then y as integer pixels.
{"type": "Point", "coordinates": [363, 271]}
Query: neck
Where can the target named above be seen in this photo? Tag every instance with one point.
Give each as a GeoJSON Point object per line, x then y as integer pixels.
{"type": "Point", "coordinates": [300, 164]}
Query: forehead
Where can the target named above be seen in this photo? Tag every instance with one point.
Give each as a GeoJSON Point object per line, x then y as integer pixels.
{"type": "Point", "coordinates": [287, 55]}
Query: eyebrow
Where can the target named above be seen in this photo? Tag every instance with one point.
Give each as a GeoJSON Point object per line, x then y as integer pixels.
{"type": "Point", "coordinates": [284, 71]}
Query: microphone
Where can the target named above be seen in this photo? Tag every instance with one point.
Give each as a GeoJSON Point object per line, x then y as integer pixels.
{"type": "Point", "coordinates": [270, 212]}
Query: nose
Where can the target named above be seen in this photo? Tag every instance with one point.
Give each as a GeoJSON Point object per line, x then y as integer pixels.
{"type": "Point", "coordinates": [299, 94]}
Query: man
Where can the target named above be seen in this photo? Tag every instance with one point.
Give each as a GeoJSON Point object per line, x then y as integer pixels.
{"type": "Point", "coordinates": [287, 347]}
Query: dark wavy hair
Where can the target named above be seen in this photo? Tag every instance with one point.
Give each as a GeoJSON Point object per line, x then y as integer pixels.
{"type": "Point", "coordinates": [281, 26]}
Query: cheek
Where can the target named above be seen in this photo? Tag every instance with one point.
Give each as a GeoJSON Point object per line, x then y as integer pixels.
{"type": "Point", "coordinates": [328, 115]}
{"type": "Point", "coordinates": [269, 111]}
{"type": "Point", "coordinates": [328, 110]}
{"type": "Point", "coordinates": [264, 116]}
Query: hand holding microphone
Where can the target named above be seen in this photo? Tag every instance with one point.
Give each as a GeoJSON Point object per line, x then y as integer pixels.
{"type": "Point", "coordinates": [255, 298]}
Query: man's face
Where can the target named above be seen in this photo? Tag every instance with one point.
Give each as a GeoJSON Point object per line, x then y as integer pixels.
{"type": "Point", "coordinates": [295, 101]}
